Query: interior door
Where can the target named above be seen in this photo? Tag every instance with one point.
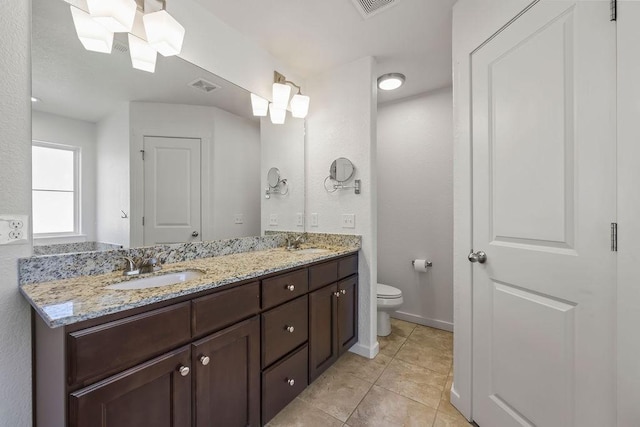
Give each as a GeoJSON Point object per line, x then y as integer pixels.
{"type": "Point", "coordinates": [544, 165]}
{"type": "Point", "coordinates": [172, 198]}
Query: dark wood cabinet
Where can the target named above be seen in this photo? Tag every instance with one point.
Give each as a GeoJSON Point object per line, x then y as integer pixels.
{"type": "Point", "coordinates": [323, 339]}
{"type": "Point", "coordinates": [156, 393]}
{"type": "Point", "coordinates": [227, 377]}
{"type": "Point", "coordinates": [347, 314]}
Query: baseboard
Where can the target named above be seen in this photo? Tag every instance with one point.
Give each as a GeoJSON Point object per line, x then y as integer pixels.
{"type": "Point", "coordinates": [454, 398]}
{"type": "Point", "coordinates": [433, 323]}
{"type": "Point", "coordinates": [364, 351]}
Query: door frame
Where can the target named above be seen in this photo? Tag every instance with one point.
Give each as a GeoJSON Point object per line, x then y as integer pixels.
{"type": "Point", "coordinates": [137, 180]}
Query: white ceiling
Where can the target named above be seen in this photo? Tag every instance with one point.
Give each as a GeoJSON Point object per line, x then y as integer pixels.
{"type": "Point", "coordinates": [76, 83]}
{"type": "Point", "coordinates": [413, 37]}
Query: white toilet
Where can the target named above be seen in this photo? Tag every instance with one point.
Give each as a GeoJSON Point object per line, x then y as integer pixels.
{"type": "Point", "coordinates": [389, 299]}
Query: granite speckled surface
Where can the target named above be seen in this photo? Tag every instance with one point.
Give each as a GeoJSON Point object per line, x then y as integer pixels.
{"type": "Point", "coordinates": [66, 248]}
{"type": "Point", "coordinates": [64, 302]}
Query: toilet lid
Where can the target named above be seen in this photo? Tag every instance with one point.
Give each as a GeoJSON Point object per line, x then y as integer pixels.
{"type": "Point", "coordinates": [387, 291]}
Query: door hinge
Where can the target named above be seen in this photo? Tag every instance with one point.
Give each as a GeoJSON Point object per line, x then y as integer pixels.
{"type": "Point", "coordinates": [614, 237]}
{"type": "Point", "coordinates": [142, 152]}
{"type": "Point", "coordinates": [613, 5]}
{"type": "Point", "coordinates": [142, 220]}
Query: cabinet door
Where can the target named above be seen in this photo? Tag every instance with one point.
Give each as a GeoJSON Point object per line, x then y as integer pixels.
{"type": "Point", "coordinates": [347, 314]}
{"type": "Point", "coordinates": [227, 377]}
{"type": "Point", "coordinates": [323, 330]}
{"type": "Point", "coordinates": [156, 393]}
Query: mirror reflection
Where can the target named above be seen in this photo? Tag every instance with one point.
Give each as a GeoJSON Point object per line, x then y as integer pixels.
{"type": "Point", "coordinates": [273, 177]}
{"type": "Point", "coordinates": [341, 170]}
{"type": "Point", "coordinates": [126, 158]}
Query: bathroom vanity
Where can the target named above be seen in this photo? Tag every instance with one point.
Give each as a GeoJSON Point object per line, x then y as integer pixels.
{"type": "Point", "coordinates": [232, 355]}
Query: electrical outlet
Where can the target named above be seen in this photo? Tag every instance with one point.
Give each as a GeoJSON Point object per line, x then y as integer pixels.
{"type": "Point", "coordinates": [348, 221]}
{"type": "Point", "coordinates": [13, 229]}
{"type": "Point", "coordinates": [273, 219]}
{"type": "Point", "coordinates": [238, 219]}
{"type": "Point", "coordinates": [16, 224]}
{"type": "Point", "coordinates": [300, 219]}
{"type": "Point", "coordinates": [314, 219]}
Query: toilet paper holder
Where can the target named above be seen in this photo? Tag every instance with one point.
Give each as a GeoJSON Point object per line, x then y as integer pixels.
{"type": "Point", "coordinates": [428, 263]}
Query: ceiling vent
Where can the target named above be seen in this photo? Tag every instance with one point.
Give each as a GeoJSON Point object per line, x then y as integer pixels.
{"type": "Point", "coordinates": [204, 85]}
{"type": "Point", "coordinates": [120, 46]}
{"type": "Point", "coordinates": [369, 8]}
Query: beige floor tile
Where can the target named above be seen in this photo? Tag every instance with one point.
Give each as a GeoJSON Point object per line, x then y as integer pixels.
{"type": "Point", "coordinates": [390, 344]}
{"type": "Point", "coordinates": [336, 393]}
{"type": "Point", "coordinates": [436, 359]}
{"type": "Point", "coordinates": [402, 328]}
{"type": "Point", "coordinates": [432, 337]}
{"type": "Point", "coordinates": [361, 367]}
{"type": "Point", "coordinates": [302, 414]}
{"type": "Point", "coordinates": [383, 408]}
{"type": "Point", "coordinates": [415, 382]}
{"type": "Point", "coordinates": [447, 408]}
{"type": "Point", "coordinates": [445, 419]}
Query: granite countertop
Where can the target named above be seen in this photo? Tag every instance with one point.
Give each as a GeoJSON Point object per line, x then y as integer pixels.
{"type": "Point", "coordinates": [64, 302]}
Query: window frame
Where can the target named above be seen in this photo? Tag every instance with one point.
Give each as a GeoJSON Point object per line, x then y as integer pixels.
{"type": "Point", "coordinates": [77, 152]}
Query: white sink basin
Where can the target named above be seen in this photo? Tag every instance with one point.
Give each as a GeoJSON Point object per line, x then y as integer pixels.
{"type": "Point", "coordinates": [312, 251]}
{"type": "Point", "coordinates": [157, 281]}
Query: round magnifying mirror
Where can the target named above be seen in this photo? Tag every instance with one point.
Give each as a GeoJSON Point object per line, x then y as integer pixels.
{"type": "Point", "coordinates": [341, 170]}
{"type": "Point", "coordinates": [273, 177]}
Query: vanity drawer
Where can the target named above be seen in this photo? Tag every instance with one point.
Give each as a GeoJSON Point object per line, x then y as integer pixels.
{"type": "Point", "coordinates": [283, 382]}
{"type": "Point", "coordinates": [283, 329]}
{"type": "Point", "coordinates": [105, 349]}
{"type": "Point", "coordinates": [347, 266]}
{"type": "Point", "coordinates": [323, 274]}
{"type": "Point", "coordinates": [214, 312]}
{"type": "Point", "coordinates": [285, 287]}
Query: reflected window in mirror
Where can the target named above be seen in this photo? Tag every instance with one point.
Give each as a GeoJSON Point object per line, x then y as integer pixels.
{"type": "Point", "coordinates": [55, 194]}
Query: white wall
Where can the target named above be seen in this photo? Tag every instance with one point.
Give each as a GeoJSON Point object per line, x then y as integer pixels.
{"type": "Point", "coordinates": [230, 164]}
{"type": "Point", "coordinates": [342, 123]}
{"type": "Point", "coordinates": [78, 133]}
{"type": "Point", "coordinates": [112, 137]}
{"type": "Point", "coordinates": [15, 198]}
{"type": "Point", "coordinates": [415, 213]}
{"type": "Point", "coordinates": [282, 147]}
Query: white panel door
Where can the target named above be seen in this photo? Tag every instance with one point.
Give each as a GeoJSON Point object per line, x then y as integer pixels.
{"type": "Point", "coordinates": [544, 159]}
{"type": "Point", "coordinates": [172, 196]}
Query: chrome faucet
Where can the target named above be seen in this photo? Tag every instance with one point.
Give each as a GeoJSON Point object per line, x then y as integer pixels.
{"type": "Point", "coordinates": [295, 243]}
{"type": "Point", "coordinates": [144, 265]}
{"type": "Point", "coordinates": [132, 268]}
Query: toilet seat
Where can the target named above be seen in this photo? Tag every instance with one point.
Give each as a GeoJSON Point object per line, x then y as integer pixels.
{"type": "Point", "coordinates": [388, 292]}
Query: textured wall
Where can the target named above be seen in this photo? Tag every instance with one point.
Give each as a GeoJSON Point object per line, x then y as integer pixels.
{"type": "Point", "coordinates": [415, 181]}
{"type": "Point", "coordinates": [342, 123]}
{"type": "Point", "coordinates": [15, 198]}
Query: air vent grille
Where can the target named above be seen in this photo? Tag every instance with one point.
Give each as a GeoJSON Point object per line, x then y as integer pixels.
{"type": "Point", "coordinates": [369, 8]}
{"type": "Point", "coordinates": [204, 85]}
{"type": "Point", "coordinates": [120, 47]}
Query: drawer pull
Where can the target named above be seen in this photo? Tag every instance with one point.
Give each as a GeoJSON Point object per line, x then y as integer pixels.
{"type": "Point", "coordinates": [289, 329]}
{"type": "Point", "coordinates": [344, 291]}
{"type": "Point", "coordinates": [291, 382]}
{"type": "Point", "coordinates": [205, 360]}
{"type": "Point", "coordinates": [291, 288]}
{"type": "Point", "coordinates": [336, 294]}
{"type": "Point", "coordinates": [184, 370]}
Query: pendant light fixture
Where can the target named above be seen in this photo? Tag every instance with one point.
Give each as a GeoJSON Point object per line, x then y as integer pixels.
{"type": "Point", "coordinates": [115, 15]}
{"type": "Point", "coordinates": [92, 35]}
{"type": "Point", "coordinates": [278, 108]}
{"type": "Point", "coordinates": [164, 33]}
{"type": "Point", "coordinates": [143, 56]}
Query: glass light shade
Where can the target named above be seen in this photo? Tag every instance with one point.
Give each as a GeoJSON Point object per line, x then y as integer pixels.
{"type": "Point", "coordinates": [164, 33]}
{"type": "Point", "coordinates": [300, 106]}
{"type": "Point", "coordinates": [115, 15]}
{"type": "Point", "coordinates": [143, 56]}
{"type": "Point", "coordinates": [92, 35]}
{"type": "Point", "coordinates": [391, 81]}
{"type": "Point", "coordinates": [277, 114]}
{"type": "Point", "coordinates": [281, 95]}
{"type": "Point", "coordinates": [260, 105]}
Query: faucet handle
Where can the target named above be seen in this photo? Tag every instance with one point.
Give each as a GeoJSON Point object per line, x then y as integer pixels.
{"type": "Point", "coordinates": [132, 268]}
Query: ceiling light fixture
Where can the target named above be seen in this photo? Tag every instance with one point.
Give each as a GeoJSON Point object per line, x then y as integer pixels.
{"type": "Point", "coordinates": [143, 56]}
{"type": "Point", "coordinates": [34, 99]}
{"type": "Point", "coordinates": [92, 34]}
{"type": "Point", "coordinates": [115, 15]}
{"type": "Point", "coordinates": [391, 81]}
{"type": "Point", "coordinates": [281, 94]}
{"type": "Point", "coordinates": [164, 33]}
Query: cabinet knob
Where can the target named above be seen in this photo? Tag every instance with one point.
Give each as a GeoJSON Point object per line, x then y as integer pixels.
{"type": "Point", "coordinates": [291, 382]}
{"type": "Point", "coordinates": [343, 292]}
{"type": "Point", "coordinates": [184, 370]}
{"type": "Point", "coordinates": [205, 360]}
{"type": "Point", "coordinates": [289, 329]}
{"type": "Point", "coordinates": [336, 294]}
{"type": "Point", "coordinates": [291, 288]}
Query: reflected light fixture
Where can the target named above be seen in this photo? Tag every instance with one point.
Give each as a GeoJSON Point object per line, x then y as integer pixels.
{"type": "Point", "coordinates": [143, 56]}
{"type": "Point", "coordinates": [300, 106]}
{"type": "Point", "coordinates": [93, 35]}
{"type": "Point", "coordinates": [115, 15]}
{"type": "Point", "coordinates": [391, 81]}
{"type": "Point", "coordinates": [281, 94]}
{"type": "Point", "coordinates": [259, 105]}
{"type": "Point", "coordinates": [277, 114]}
{"type": "Point", "coordinates": [34, 99]}
{"type": "Point", "coordinates": [164, 33]}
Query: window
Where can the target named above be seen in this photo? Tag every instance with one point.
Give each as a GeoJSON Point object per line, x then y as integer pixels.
{"type": "Point", "coordinates": [55, 189]}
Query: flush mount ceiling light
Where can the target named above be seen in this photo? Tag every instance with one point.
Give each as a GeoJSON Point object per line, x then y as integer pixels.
{"type": "Point", "coordinates": [92, 35]}
{"type": "Point", "coordinates": [143, 56]}
{"type": "Point", "coordinates": [115, 15]}
{"type": "Point", "coordinates": [281, 94]}
{"type": "Point", "coordinates": [391, 81]}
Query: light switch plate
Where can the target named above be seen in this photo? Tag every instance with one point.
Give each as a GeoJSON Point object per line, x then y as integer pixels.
{"type": "Point", "coordinates": [14, 229]}
{"type": "Point", "coordinates": [348, 221]}
{"type": "Point", "coordinates": [273, 219]}
{"type": "Point", "coordinates": [238, 219]}
{"type": "Point", "coordinates": [314, 219]}
{"type": "Point", "coordinates": [299, 219]}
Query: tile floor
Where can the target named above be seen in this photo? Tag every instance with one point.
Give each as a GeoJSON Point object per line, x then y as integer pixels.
{"type": "Point", "coordinates": [407, 384]}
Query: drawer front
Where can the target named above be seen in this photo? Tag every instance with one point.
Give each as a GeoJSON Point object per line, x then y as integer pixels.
{"type": "Point", "coordinates": [283, 288]}
{"type": "Point", "coordinates": [214, 312]}
{"type": "Point", "coordinates": [105, 349]}
{"type": "Point", "coordinates": [283, 329]}
{"type": "Point", "coordinates": [347, 266]}
{"type": "Point", "coordinates": [278, 389]}
{"type": "Point", "coordinates": [323, 274]}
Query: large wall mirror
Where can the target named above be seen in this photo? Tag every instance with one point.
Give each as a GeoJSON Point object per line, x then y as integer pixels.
{"type": "Point", "coordinates": [123, 157]}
